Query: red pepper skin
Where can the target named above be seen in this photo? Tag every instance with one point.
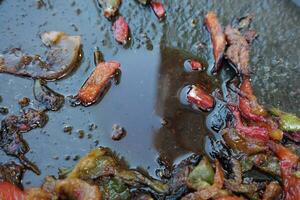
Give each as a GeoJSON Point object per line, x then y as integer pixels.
{"type": "Point", "coordinates": [254, 132]}
{"type": "Point", "coordinates": [96, 83]}
{"type": "Point", "coordinates": [288, 161]}
{"type": "Point", "coordinates": [196, 65]}
{"type": "Point", "coordinates": [200, 98]}
{"type": "Point", "coordinates": [248, 105]}
{"type": "Point", "coordinates": [158, 9]}
{"type": "Point", "coordinates": [217, 37]}
{"type": "Point", "coordinates": [9, 191]}
{"type": "Point", "coordinates": [121, 30]}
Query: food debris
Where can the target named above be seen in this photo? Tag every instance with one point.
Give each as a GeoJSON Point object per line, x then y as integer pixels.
{"type": "Point", "coordinates": [47, 97]}
{"type": "Point", "coordinates": [95, 85]}
{"type": "Point", "coordinates": [237, 51]}
{"type": "Point", "coordinates": [29, 119]}
{"type": "Point", "coordinates": [144, 2]}
{"type": "Point", "coordinates": [121, 30]}
{"type": "Point", "coordinates": [217, 38]}
{"type": "Point", "coordinates": [118, 132]}
{"type": "Point", "coordinates": [110, 7]}
{"type": "Point", "coordinates": [81, 134]}
{"type": "Point", "coordinates": [248, 104]}
{"type": "Point", "coordinates": [11, 172]}
{"type": "Point", "coordinates": [4, 110]}
{"type": "Point", "coordinates": [244, 22]}
{"type": "Point", "coordinates": [98, 56]}
{"type": "Point", "coordinates": [68, 129]}
{"type": "Point", "coordinates": [195, 65]}
{"type": "Point", "coordinates": [200, 98]}
{"type": "Point", "coordinates": [92, 126]}
{"type": "Point", "coordinates": [24, 102]}
{"type": "Point", "coordinates": [13, 144]}
{"type": "Point", "coordinates": [158, 9]}
{"type": "Point", "coordinates": [60, 60]}
{"type": "Point", "coordinates": [250, 35]}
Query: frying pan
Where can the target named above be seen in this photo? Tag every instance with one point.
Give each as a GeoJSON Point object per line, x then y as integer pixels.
{"type": "Point", "coordinates": [147, 101]}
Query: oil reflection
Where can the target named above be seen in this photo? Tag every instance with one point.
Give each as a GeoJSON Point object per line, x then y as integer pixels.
{"type": "Point", "coordinates": [183, 129]}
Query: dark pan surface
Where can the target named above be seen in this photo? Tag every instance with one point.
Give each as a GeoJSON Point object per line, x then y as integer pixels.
{"type": "Point", "coordinates": [152, 75]}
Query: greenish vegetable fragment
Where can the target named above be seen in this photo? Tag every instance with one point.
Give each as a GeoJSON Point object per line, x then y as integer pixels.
{"type": "Point", "coordinates": [115, 189]}
{"type": "Point", "coordinates": [297, 174]}
{"type": "Point", "coordinates": [99, 162]}
{"type": "Point", "coordinates": [64, 172]}
{"type": "Point", "coordinates": [135, 178]}
{"type": "Point", "coordinates": [287, 121]}
{"type": "Point", "coordinates": [246, 164]}
{"type": "Point", "coordinates": [202, 176]}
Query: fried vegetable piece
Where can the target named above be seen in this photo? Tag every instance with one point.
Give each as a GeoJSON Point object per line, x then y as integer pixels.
{"type": "Point", "coordinates": [71, 188]}
{"type": "Point", "coordinates": [288, 162]}
{"type": "Point", "coordinates": [38, 194]}
{"type": "Point", "coordinates": [60, 60]}
{"type": "Point", "coordinates": [267, 163]}
{"type": "Point", "coordinates": [13, 144]}
{"type": "Point", "coordinates": [114, 189]}
{"type": "Point", "coordinates": [200, 176]}
{"type": "Point", "coordinates": [136, 179]}
{"type": "Point", "coordinates": [217, 38]}
{"type": "Point", "coordinates": [238, 142]}
{"type": "Point", "coordinates": [238, 51]}
{"type": "Point", "coordinates": [9, 191]}
{"type": "Point", "coordinates": [179, 175]}
{"type": "Point", "coordinates": [248, 104]}
{"type": "Point", "coordinates": [101, 162]}
{"type": "Point", "coordinates": [235, 184]}
{"type": "Point", "coordinates": [77, 189]}
{"type": "Point", "coordinates": [142, 196]}
{"type": "Point", "coordinates": [251, 131]}
{"type": "Point", "coordinates": [98, 162]}
{"type": "Point", "coordinates": [29, 120]}
{"type": "Point", "coordinates": [110, 7]}
{"type": "Point", "coordinates": [294, 136]}
{"type": "Point", "coordinates": [273, 191]}
{"type": "Point", "coordinates": [287, 121]}
{"type": "Point", "coordinates": [96, 83]}
{"type": "Point", "coordinates": [196, 95]}
{"type": "Point", "coordinates": [12, 172]}
{"type": "Point", "coordinates": [46, 96]}
{"type": "Point", "coordinates": [158, 9]}
{"type": "Point", "coordinates": [121, 30]}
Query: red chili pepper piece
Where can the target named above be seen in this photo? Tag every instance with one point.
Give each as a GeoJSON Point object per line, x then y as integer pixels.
{"type": "Point", "coordinates": [288, 161]}
{"type": "Point", "coordinates": [95, 84]}
{"type": "Point", "coordinates": [9, 191]}
{"type": "Point", "coordinates": [196, 65]}
{"type": "Point", "coordinates": [255, 132]}
{"type": "Point", "coordinates": [158, 9]}
{"type": "Point", "coordinates": [217, 37]}
{"type": "Point", "coordinates": [200, 98]}
{"type": "Point", "coordinates": [249, 107]}
{"type": "Point", "coordinates": [121, 30]}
